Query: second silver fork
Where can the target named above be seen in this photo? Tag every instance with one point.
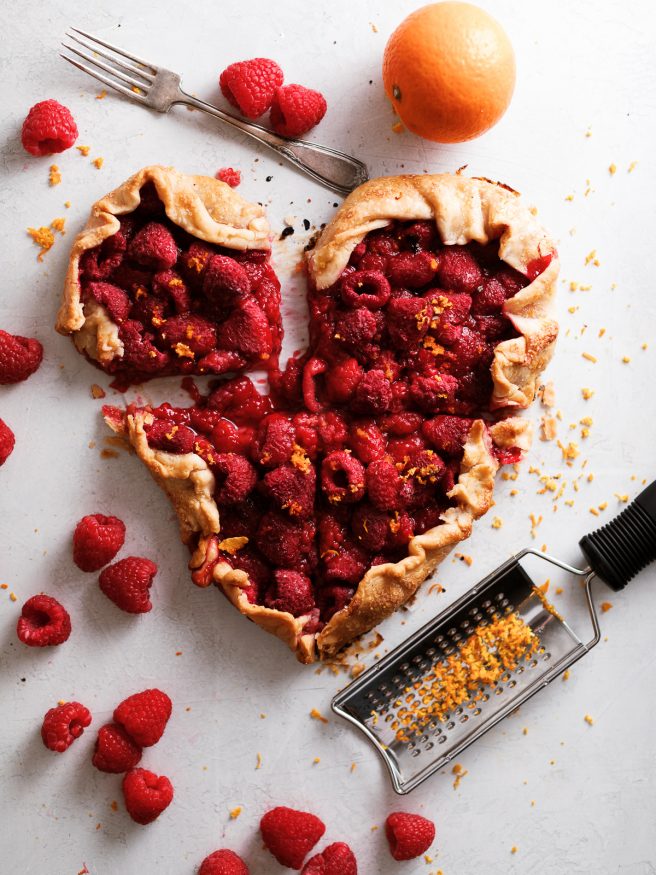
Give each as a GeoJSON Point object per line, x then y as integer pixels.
{"type": "Point", "coordinates": [160, 89]}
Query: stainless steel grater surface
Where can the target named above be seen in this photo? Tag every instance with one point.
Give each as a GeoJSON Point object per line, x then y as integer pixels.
{"type": "Point", "coordinates": [373, 702]}
{"type": "Point", "coordinates": [379, 701]}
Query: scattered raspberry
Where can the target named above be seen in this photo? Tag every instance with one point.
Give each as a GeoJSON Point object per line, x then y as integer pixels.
{"type": "Point", "coordinates": [225, 281]}
{"type": "Point", "coordinates": [291, 592]}
{"type": "Point", "coordinates": [154, 247]}
{"type": "Point", "coordinates": [336, 859]}
{"type": "Point", "coordinates": [96, 540]}
{"type": "Point", "coordinates": [295, 110]}
{"type": "Point", "coordinates": [250, 85]}
{"type": "Point", "coordinates": [127, 584]}
{"type": "Point", "coordinates": [19, 357]}
{"type": "Point", "coordinates": [48, 128]}
{"type": "Point", "coordinates": [144, 716]}
{"type": "Point", "coordinates": [7, 442]}
{"type": "Point", "coordinates": [290, 835]}
{"type": "Point", "coordinates": [229, 175]}
{"type": "Point", "coordinates": [146, 795]}
{"type": "Point", "coordinates": [223, 862]}
{"type": "Point", "coordinates": [43, 622]}
{"type": "Point", "coordinates": [63, 724]}
{"type": "Point", "coordinates": [115, 751]}
{"type": "Point", "coordinates": [409, 835]}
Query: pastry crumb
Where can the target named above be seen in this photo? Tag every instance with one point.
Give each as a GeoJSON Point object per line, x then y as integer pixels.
{"type": "Point", "coordinates": [67, 204]}
{"type": "Point", "coordinates": [589, 357]}
{"type": "Point", "coordinates": [497, 522]}
{"type": "Point", "coordinates": [514, 848]}
{"type": "Point", "coordinates": [588, 719]}
{"type": "Point", "coordinates": [626, 359]}
{"type": "Point", "coordinates": [258, 762]}
{"type": "Point", "coordinates": [587, 393]}
{"type": "Point", "coordinates": [459, 771]}
{"type": "Point", "coordinates": [233, 545]}
{"type": "Point", "coordinates": [612, 168]}
{"type": "Point", "coordinates": [632, 166]}
{"type": "Point", "coordinates": [548, 428]}
{"type": "Point", "coordinates": [353, 767]}
{"type": "Point", "coordinates": [468, 560]}
{"type": "Point", "coordinates": [97, 391]}
{"type": "Point", "coordinates": [566, 675]}
{"type": "Point", "coordinates": [316, 761]}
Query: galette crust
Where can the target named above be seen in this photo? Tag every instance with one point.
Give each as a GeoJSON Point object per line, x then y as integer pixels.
{"type": "Point", "coordinates": [203, 206]}
{"type": "Point", "coordinates": [464, 210]}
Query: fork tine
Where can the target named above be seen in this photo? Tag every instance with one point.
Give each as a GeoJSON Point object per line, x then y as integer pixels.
{"type": "Point", "coordinates": [119, 62]}
{"type": "Point", "coordinates": [112, 83]}
{"type": "Point", "coordinates": [122, 52]}
{"type": "Point", "coordinates": [115, 71]}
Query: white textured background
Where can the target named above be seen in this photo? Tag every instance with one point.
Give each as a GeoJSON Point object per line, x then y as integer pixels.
{"type": "Point", "coordinates": [582, 67]}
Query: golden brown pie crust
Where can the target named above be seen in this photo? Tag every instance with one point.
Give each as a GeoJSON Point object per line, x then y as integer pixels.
{"type": "Point", "coordinates": [205, 207]}
{"type": "Point", "coordinates": [464, 210]}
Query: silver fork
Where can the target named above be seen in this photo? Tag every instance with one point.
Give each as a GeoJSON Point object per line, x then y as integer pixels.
{"type": "Point", "coordinates": [159, 89]}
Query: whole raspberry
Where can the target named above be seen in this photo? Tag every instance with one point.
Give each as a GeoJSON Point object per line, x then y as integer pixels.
{"type": "Point", "coordinates": [371, 527]}
{"type": "Point", "coordinates": [98, 263]}
{"type": "Point", "coordinates": [139, 350]}
{"type": "Point", "coordinates": [115, 751]}
{"type": "Point", "coordinates": [342, 478]}
{"type": "Point", "coordinates": [409, 835]}
{"type": "Point", "coordinates": [344, 568]}
{"type": "Point", "coordinates": [410, 271]}
{"type": "Point", "coordinates": [447, 433]}
{"type": "Point", "coordinates": [153, 247]}
{"type": "Point", "coordinates": [511, 280]}
{"type": "Point", "coordinates": [127, 584]}
{"type": "Point", "coordinates": [408, 320]}
{"type": "Point", "coordinates": [383, 484]}
{"type": "Point", "coordinates": [355, 328]}
{"type": "Point", "coordinates": [250, 85]}
{"type": "Point", "coordinates": [223, 862]}
{"type": "Point", "coordinates": [490, 298]}
{"type": "Point", "coordinates": [7, 442]}
{"type": "Point", "coordinates": [336, 859]}
{"type": "Point", "coordinates": [365, 288]}
{"type": "Point", "coordinates": [114, 299]}
{"type": "Point", "coordinates": [291, 489]}
{"type": "Point", "coordinates": [96, 540]}
{"type": "Point", "coordinates": [235, 478]}
{"type": "Point", "coordinates": [48, 128]}
{"type": "Point", "coordinates": [291, 592]}
{"type": "Point", "coordinates": [458, 270]}
{"type": "Point", "coordinates": [285, 542]}
{"type": "Point", "coordinates": [373, 394]}
{"type": "Point", "coordinates": [43, 622]}
{"type": "Point", "coordinates": [332, 430]}
{"type": "Point", "coordinates": [144, 716]}
{"type": "Point", "coordinates": [19, 357]}
{"type": "Point", "coordinates": [435, 392]}
{"type": "Point", "coordinates": [146, 795]}
{"type": "Point", "coordinates": [229, 175]}
{"type": "Point", "coordinates": [165, 435]}
{"type": "Point", "coordinates": [275, 441]}
{"type": "Point", "coordinates": [225, 281]}
{"type": "Point", "coordinates": [342, 379]}
{"type": "Point", "coordinates": [367, 441]}
{"type": "Point", "coordinates": [247, 331]}
{"type": "Point", "coordinates": [167, 284]}
{"type": "Point", "coordinates": [295, 110]}
{"type": "Point", "coordinates": [189, 335]}
{"type": "Point", "coordinates": [63, 724]}
{"type": "Point", "coordinates": [290, 835]}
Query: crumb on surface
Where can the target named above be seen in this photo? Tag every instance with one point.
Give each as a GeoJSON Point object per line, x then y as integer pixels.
{"type": "Point", "coordinates": [101, 95]}
{"type": "Point", "coordinates": [589, 357]}
{"type": "Point", "coordinates": [514, 849]}
{"type": "Point", "coordinates": [83, 150]}
{"type": "Point", "coordinates": [566, 675]}
{"type": "Point", "coordinates": [612, 169]}
{"type": "Point", "coordinates": [587, 393]}
{"type": "Point", "coordinates": [258, 761]}
{"type": "Point", "coordinates": [497, 522]}
{"type": "Point", "coordinates": [632, 166]}
{"type": "Point", "coordinates": [98, 162]}
{"type": "Point", "coordinates": [97, 391]}
{"type": "Point", "coordinates": [54, 175]}
{"type": "Point", "coordinates": [589, 720]}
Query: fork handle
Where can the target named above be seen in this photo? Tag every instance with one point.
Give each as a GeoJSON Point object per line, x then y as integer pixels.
{"type": "Point", "coordinates": [334, 169]}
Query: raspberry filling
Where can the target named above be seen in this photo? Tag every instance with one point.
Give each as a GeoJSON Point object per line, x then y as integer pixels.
{"type": "Point", "coordinates": [182, 306]}
{"type": "Point", "coordinates": [359, 443]}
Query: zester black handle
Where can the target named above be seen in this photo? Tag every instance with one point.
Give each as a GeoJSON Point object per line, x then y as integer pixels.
{"type": "Point", "coordinates": [625, 545]}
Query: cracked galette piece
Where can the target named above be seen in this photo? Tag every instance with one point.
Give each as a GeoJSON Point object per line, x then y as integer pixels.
{"type": "Point", "coordinates": [319, 509]}
{"type": "Point", "coordinates": [171, 275]}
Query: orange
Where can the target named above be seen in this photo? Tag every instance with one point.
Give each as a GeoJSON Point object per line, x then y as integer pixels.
{"type": "Point", "coordinates": [449, 70]}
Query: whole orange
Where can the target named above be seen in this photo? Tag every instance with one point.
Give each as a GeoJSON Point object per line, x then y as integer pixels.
{"type": "Point", "coordinates": [449, 70]}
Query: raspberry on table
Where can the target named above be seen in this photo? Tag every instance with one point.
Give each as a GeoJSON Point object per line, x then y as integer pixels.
{"type": "Point", "coordinates": [409, 835]}
{"type": "Point", "coordinates": [19, 357]}
{"type": "Point", "coordinates": [223, 862]}
{"type": "Point", "coordinates": [63, 724]}
{"type": "Point", "coordinates": [43, 622]}
{"type": "Point", "coordinates": [336, 859]}
{"type": "Point", "coordinates": [296, 109]}
{"type": "Point", "coordinates": [290, 835]}
{"type": "Point", "coordinates": [96, 540]}
{"type": "Point", "coordinates": [48, 128]}
{"type": "Point", "coordinates": [144, 716]}
{"type": "Point", "coordinates": [115, 751]}
{"type": "Point", "coordinates": [146, 795]}
{"type": "Point", "coordinates": [7, 442]}
{"type": "Point", "coordinates": [250, 85]}
{"type": "Point", "coordinates": [127, 584]}
{"type": "Point", "coordinates": [229, 175]}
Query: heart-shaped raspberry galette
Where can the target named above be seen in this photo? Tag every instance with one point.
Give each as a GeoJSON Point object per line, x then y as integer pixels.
{"type": "Point", "coordinates": [321, 507]}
